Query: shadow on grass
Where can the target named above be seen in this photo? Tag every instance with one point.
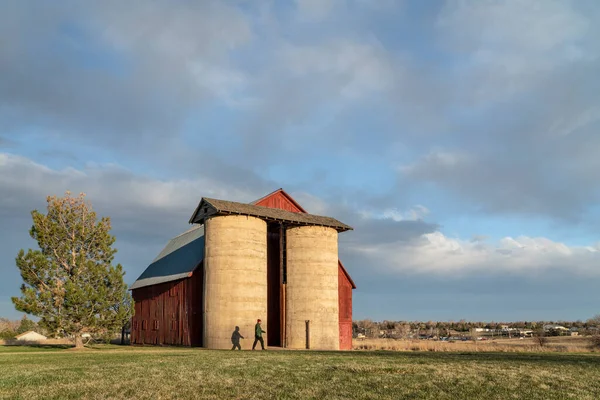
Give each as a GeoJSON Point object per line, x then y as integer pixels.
{"type": "Point", "coordinates": [34, 347]}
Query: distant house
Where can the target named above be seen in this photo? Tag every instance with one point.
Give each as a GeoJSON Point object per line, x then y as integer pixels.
{"type": "Point", "coordinates": [30, 336]}
{"type": "Point", "coordinates": [554, 327]}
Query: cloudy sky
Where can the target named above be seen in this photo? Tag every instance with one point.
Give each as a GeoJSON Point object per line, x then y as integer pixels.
{"type": "Point", "coordinates": [459, 138]}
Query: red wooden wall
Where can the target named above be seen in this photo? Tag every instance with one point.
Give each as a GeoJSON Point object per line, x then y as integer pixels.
{"type": "Point", "coordinates": [281, 200]}
{"type": "Point", "coordinates": [169, 313]}
{"type": "Point", "coordinates": [345, 305]}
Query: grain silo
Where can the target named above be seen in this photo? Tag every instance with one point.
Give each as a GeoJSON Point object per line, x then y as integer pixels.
{"type": "Point", "coordinates": [269, 259]}
{"type": "Point", "coordinates": [312, 307]}
{"type": "Point", "coordinates": [235, 276]}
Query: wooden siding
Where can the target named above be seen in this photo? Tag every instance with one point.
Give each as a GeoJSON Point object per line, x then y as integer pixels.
{"type": "Point", "coordinates": [345, 306]}
{"type": "Point", "coordinates": [281, 201]}
{"type": "Point", "coordinates": [169, 313]}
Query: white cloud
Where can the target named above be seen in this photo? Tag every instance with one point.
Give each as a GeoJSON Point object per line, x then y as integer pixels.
{"type": "Point", "coordinates": [515, 44]}
{"type": "Point", "coordinates": [416, 213]}
{"type": "Point", "coordinates": [437, 160]}
{"type": "Point", "coordinates": [439, 254]}
{"type": "Point", "coordinates": [568, 125]}
{"type": "Point", "coordinates": [359, 68]}
{"type": "Point", "coordinates": [312, 204]}
{"type": "Point", "coordinates": [315, 9]}
{"type": "Point", "coordinates": [516, 32]}
{"type": "Point", "coordinates": [135, 203]}
{"type": "Point", "coordinates": [190, 42]}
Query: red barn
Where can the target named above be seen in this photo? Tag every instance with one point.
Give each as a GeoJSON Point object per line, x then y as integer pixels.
{"type": "Point", "coordinates": [209, 279]}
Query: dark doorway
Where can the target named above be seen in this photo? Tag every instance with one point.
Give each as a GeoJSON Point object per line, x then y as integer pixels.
{"type": "Point", "coordinates": [273, 285]}
{"type": "Point", "coordinates": [195, 292]}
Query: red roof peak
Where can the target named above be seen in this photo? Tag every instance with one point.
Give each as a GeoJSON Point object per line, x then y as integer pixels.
{"type": "Point", "coordinates": [280, 199]}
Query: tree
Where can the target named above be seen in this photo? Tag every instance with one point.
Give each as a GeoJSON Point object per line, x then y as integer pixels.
{"type": "Point", "coordinates": [368, 327]}
{"type": "Point", "coordinates": [403, 330]}
{"type": "Point", "coordinates": [26, 325]}
{"type": "Point", "coordinates": [594, 322]}
{"type": "Point", "coordinates": [540, 338]}
{"type": "Point", "coordinates": [8, 325]}
{"type": "Point", "coordinates": [474, 335]}
{"type": "Point", "coordinates": [70, 282]}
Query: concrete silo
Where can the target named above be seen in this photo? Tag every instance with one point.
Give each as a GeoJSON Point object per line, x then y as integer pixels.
{"type": "Point", "coordinates": [312, 288]}
{"type": "Point", "coordinates": [235, 265]}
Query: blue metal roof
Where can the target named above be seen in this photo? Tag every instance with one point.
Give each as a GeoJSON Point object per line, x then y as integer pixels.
{"type": "Point", "coordinates": [177, 260]}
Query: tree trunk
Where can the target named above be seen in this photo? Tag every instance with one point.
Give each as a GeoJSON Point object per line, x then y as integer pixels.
{"type": "Point", "coordinates": [78, 342]}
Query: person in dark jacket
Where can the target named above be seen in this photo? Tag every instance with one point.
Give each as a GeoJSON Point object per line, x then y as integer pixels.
{"type": "Point", "coordinates": [258, 335]}
{"type": "Point", "coordinates": [235, 338]}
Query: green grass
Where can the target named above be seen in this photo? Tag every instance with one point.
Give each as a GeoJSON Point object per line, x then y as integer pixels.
{"type": "Point", "coordinates": [169, 373]}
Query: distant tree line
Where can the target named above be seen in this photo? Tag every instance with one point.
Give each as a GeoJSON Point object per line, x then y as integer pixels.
{"type": "Point", "coordinates": [406, 329]}
{"type": "Point", "coordinates": [11, 328]}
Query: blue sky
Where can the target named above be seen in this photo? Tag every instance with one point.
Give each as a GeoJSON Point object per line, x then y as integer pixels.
{"type": "Point", "coordinates": [459, 138]}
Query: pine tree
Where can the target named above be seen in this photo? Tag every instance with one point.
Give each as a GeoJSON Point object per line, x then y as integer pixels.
{"type": "Point", "coordinates": [70, 282]}
{"type": "Point", "coordinates": [26, 325]}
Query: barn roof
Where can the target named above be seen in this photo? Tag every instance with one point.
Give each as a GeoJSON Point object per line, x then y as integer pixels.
{"type": "Point", "coordinates": [177, 260]}
{"type": "Point", "coordinates": [209, 207]}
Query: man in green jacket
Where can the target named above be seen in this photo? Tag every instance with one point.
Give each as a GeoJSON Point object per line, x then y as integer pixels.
{"type": "Point", "coordinates": [258, 335]}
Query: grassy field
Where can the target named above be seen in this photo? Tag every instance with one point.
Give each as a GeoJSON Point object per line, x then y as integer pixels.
{"type": "Point", "coordinates": [577, 344]}
{"type": "Point", "coordinates": [111, 372]}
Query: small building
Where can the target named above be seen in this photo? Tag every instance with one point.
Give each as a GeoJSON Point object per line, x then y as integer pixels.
{"type": "Point", "coordinates": [555, 327]}
{"type": "Point", "coordinates": [269, 259]}
{"type": "Point", "coordinates": [30, 336]}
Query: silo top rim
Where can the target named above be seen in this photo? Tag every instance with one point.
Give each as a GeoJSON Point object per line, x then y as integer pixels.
{"type": "Point", "coordinates": [211, 207]}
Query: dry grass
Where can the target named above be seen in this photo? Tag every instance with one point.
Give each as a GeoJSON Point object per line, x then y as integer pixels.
{"type": "Point", "coordinates": [110, 372]}
{"type": "Point", "coordinates": [555, 344]}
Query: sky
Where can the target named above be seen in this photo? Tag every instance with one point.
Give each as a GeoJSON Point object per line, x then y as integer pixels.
{"type": "Point", "coordinates": [459, 138]}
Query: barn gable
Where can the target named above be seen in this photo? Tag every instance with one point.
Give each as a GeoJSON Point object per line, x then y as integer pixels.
{"type": "Point", "coordinates": [281, 200]}
{"type": "Point", "coordinates": [177, 260]}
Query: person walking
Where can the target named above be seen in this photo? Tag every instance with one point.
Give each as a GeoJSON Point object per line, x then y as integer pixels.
{"type": "Point", "coordinates": [235, 338]}
{"type": "Point", "coordinates": [258, 335]}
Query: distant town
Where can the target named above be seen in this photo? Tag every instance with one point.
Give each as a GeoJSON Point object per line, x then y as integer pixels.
{"type": "Point", "coordinates": [468, 330]}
